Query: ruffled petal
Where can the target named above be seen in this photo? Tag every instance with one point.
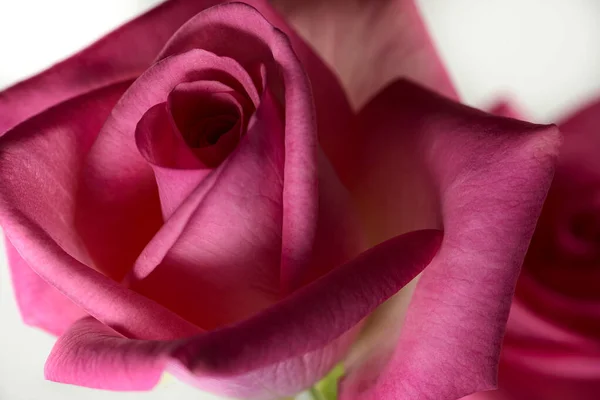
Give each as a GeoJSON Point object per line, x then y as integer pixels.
{"type": "Point", "coordinates": [489, 177]}
{"type": "Point", "coordinates": [278, 352]}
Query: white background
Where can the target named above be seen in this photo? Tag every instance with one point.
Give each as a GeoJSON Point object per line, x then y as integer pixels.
{"type": "Point", "coordinates": [543, 54]}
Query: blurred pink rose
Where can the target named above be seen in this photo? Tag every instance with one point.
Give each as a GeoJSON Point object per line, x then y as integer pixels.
{"type": "Point", "coordinates": [552, 346]}
{"type": "Point", "coordinates": [176, 197]}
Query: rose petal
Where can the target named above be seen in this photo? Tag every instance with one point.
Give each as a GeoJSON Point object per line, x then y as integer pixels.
{"type": "Point", "coordinates": [40, 304]}
{"type": "Point", "coordinates": [491, 175]}
{"type": "Point", "coordinates": [229, 251]}
{"type": "Point", "coordinates": [351, 34]}
{"type": "Point", "coordinates": [277, 352]}
{"type": "Point", "coordinates": [39, 163]}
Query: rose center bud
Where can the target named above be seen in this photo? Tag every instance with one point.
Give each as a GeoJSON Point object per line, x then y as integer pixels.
{"type": "Point", "coordinates": [208, 131]}
{"type": "Point", "coordinates": [211, 117]}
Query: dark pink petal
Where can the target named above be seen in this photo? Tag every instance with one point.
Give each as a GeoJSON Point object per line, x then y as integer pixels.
{"type": "Point", "coordinates": [369, 43]}
{"type": "Point", "coordinates": [278, 352]}
{"type": "Point", "coordinates": [40, 304]}
{"type": "Point", "coordinates": [491, 176]}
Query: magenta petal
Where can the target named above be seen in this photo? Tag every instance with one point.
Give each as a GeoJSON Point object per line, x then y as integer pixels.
{"type": "Point", "coordinates": [40, 304]}
{"type": "Point", "coordinates": [275, 353]}
{"type": "Point", "coordinates": [39, 162]}
{"type": "Point", "coordinates": [491, 175]}
{"type": "Point", "coordinates": [92, 354]}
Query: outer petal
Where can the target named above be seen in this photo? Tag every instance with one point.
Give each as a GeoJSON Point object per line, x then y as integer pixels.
{"type": "Point", "coordinates": [491, 176]}
{"type": "Point", "coordinates": [369, 43]}
{"type": "Point", "coordinates": [39, 165]}
{"type": "Point", "coordinates": [40, 304]}
{"type": "Point", "coordinates": [275, 353]}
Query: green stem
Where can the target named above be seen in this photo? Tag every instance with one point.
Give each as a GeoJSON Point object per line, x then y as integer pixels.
{"type": "Point", "coordinates": [316, 395]}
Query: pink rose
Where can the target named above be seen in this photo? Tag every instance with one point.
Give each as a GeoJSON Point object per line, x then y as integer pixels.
{"type": "Point", "coordinates": [176, 197]}
{"type": "Point", "coordinates": [552, 347]}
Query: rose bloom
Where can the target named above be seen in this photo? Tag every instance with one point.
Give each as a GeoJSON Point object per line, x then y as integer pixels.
{"type": "Point", "coordinates": [199, 193]}
{"type": "Point", "coordinates": [551, 350]}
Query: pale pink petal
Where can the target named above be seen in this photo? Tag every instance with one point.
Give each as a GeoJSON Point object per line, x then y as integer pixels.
{"type": "Point", "coordinates": [369, 43]}
{"type": "Point", "coordinates": [491, 176]}
{"type": "Point", "coordinates": [278, 352]}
